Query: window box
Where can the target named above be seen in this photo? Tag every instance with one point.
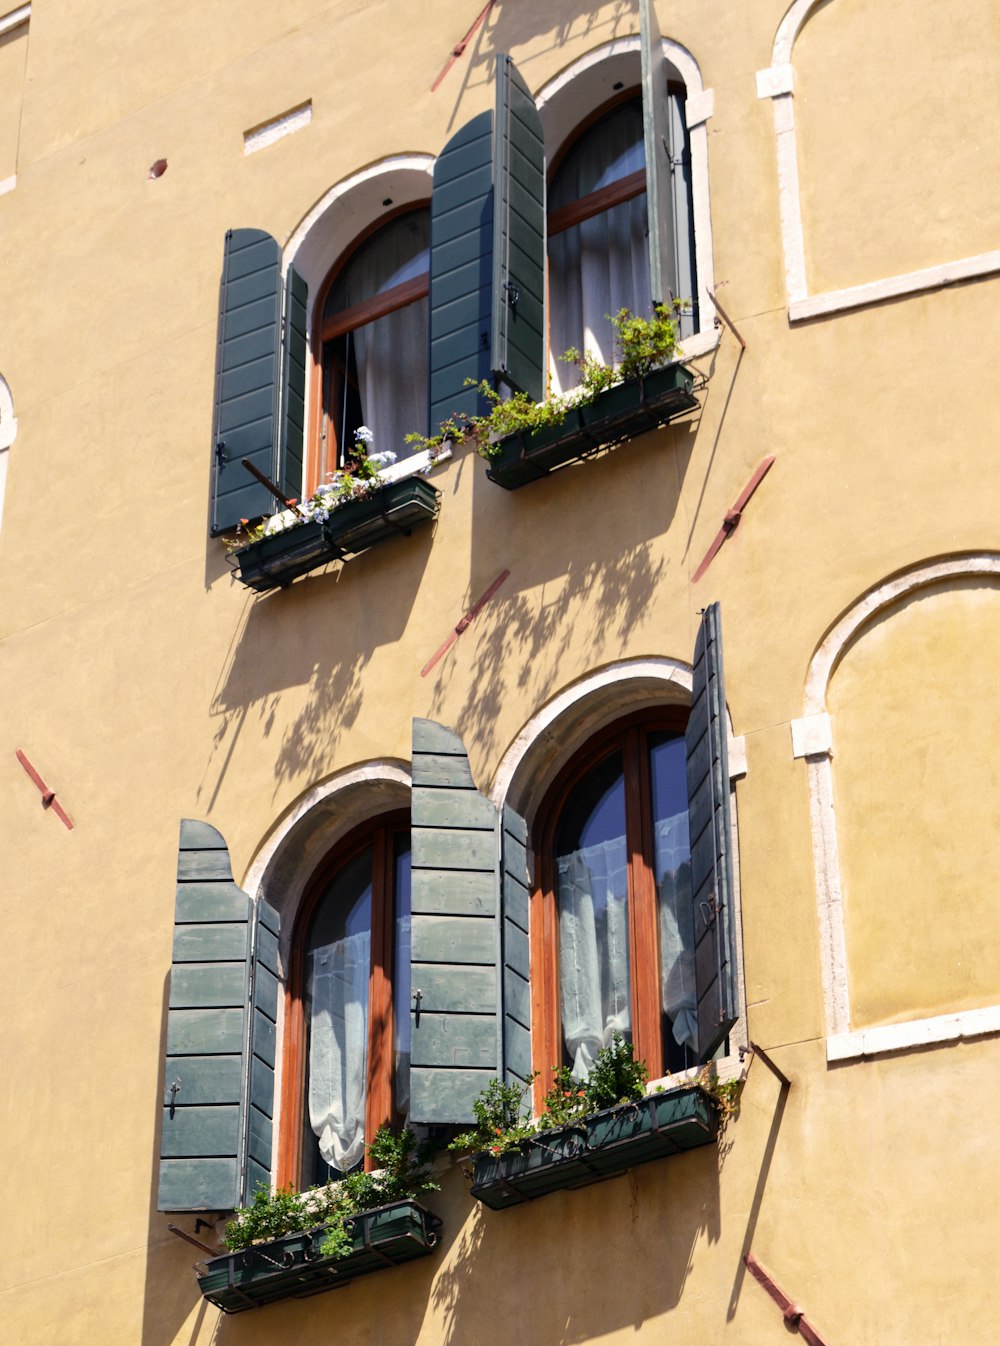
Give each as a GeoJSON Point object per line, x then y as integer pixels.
{"type": "Point", "coordinates": [602, 1146]}
{"type": "Point", "coordinates": [398, 507]}
{"type": "Point", "coordinates": [293, 1267]}
{"type": "Point", "coordinates": [621, 412]}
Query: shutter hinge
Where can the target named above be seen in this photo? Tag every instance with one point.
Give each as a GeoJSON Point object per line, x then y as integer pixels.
{"type": "Point", "coordinates": [175, 1089]}
{"type": "Point", "coordinates": [513, 293]}
{"type": "Point", "coordinates": [418, 995]}
{"type": "Point", "coordinates": [220, 454]}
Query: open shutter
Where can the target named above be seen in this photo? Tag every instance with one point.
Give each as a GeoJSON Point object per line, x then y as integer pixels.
{"type": "Point", "coordinates": [460, 279]}
{"type": "Point", "coordinates": [515, 887]}
{"type": "Point", "coordinates": [656, 126]}
{"type": "Point", "coordinates": [454, 939]}
{"type": "Point", "coordinates": [263, 1045]}
{"type": "Point", "coordinates": [293, 388]}
{"type": "Point", "coordinates": [218, 1100]}
{"type": "Point", "coordinates": [709, 822]}
{"type": "Point", "coordinates": [246, 377]}
{"type": "Point", "coordinates": [519, 235]}
{"type": "Point", "coordinates": [202, 1135]}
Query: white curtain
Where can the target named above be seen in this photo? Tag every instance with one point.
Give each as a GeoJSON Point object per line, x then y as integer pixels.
{"type": "Point", "coordinates": [672, 866]}
{"type": "Point", "coordinates": [338, 1048]}
{"type": "Point", "coordinates": [593, 949]}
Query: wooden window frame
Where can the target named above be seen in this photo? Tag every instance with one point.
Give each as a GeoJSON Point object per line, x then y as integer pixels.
{"type": "Point", "coordinates": [630, 736]}
{"type": "Point", "coordinates": [377, 834]}
{"type": "Point", "coordinates": [323, 456]}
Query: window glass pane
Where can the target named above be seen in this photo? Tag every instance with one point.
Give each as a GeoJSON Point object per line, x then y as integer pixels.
{"type": "Point", "coordinates": [401, 974]}
{"type": "Point", "coordinates": [338, 968]}
{"type": "Point", "coordinates": [376, 374]}
{"type": "Point", "coordinates": [672, 872]}
{"type": "Point", "coordinates": [600, 265]}
{"type": "Point", "coordinates": [592, 889]}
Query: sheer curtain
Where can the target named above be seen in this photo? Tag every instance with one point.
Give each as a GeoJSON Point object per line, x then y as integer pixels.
{"type": "Point", "coordinates": [338, 1048]}
{"type": "Point", "coordinates": [672, 866]}
{"type": "Point", "coordinates": [600, 265]}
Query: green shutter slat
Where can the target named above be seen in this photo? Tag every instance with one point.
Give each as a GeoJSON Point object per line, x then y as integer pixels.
{"type": "Point", "coordinates": [460, 270]}
{"type": "Point", "coordinates": [454, 944]}
{"type": "Point", "coordinates": [515, 890]}
{"type": "Point", "coordinates": [656, 128]}
{"type": "Point", "coordinates": [711, 848]}
{"type": "Point", "coordinates": [246, 376]}
{"type": "Point", "coordinates": [263, 1050]}
{"type": "Point", "coordinates": [293, 386]}
{"type": "Point", "coordinates": [202, 1144]}
{"type": "Point", "coordinates": [518, 309]}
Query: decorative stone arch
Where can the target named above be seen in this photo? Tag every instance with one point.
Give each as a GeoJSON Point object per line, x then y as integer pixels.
{"type": "Point", "coordinates": [812, 739]}
{"type": "Point", "coordinates": [565, 101]}
{"type": "Point", "coordinates": [777, 82]}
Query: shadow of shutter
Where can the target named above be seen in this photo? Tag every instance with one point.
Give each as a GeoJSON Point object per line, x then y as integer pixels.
{"type": "Point", "coordinates": [293, 387]}
{"type": "Point", "coordinates": [709, 820]}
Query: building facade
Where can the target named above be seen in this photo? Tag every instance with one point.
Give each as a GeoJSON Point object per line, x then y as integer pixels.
{"type": "Point", "coordinates": [285, 861]}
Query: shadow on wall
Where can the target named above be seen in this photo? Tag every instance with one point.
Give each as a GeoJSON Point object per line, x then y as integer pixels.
{"type": "Point", "coordinates": [318, 635]}
{"type": "Point", "coordinates": [576, 1266]}
{"type": "Point", "coordinates": [585, 554]}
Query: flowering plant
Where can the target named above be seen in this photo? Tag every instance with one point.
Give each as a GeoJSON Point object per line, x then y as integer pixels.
{"type": "Point", "coordinates": [358, 480]}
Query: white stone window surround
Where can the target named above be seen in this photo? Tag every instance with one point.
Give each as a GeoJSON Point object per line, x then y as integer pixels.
{"type": "Point", "coordinates": [551, 737]}
{"type": "Point", "coordinates": [561, 108]}
{"type": "Point", "coordinates": [777, 82]}
{"type": "Point", "coordinates": [8, 433]}
{"type": "Point", "coordinates": [812, 739]}
{"type": "Point", "coordinates": [14, 18]}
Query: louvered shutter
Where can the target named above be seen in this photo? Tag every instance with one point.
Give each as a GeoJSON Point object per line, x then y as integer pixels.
{"type": "Point", "coordinates": [460, 279]}
{"type": "Point", "coordinates": [246, 379]}
{"type": "Point", "coordinates": [454, 933]}
{"type": "Point", "coordinates": [216, 974]}
{"type": "Point", "coordinates": [657, 131]}
{"type": "Point", "coordinates": [293, 387]}
{"type": "Point", "coordinates": [515, 886]}
{"type": "Point", "coordinates": [709, 821]}
{"type": "Point", "coordinates": [518, 339]}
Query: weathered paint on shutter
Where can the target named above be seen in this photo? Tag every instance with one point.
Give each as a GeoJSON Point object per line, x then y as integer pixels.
{"type": "Point", "coordinates": [709, 822]}
{"type": "Point", "coordinates": [518, 327]}
{"type": "Point", "coordinates": [263, 1045]}
{"type": "Point", "coordinates": [293, 387]}
{"type": "Point", "coordinates": [656, 126]}
{"type": "Point", "coordinates": [460, 270]}
{"type": "Point", "coordinates": [515, 891]}
{"type": "Point", "coordinates": [202, 1135]}
{"type": "Point", "coordinates": [246, 376]}
{"type": "Point", "coordinates": [454, 938]}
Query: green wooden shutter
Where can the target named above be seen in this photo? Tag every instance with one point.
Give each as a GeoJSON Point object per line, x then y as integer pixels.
{"type": "Point", "coordinates": [518, 338]}
{"type": "Point", "coordinates": [259, 1092]}
{"type": "Point", "coordinates": [515, 887]}
{"type": "Point", "coordinates": [460, 278]}
{"type": "Point", "coordinates": [656, 125]}
{"type": "Point", "coordinates": [202, 1137]}
{"type": "Point", "coordinates": [218, 1098]}
{"type": "Point", "coordinates": [293, 387]}
{"type": "Point", "coordinates": [246, 377]}
{"type": "Point", "coordinates": [454, 933]}
{"type": "Point", "coordinates": [709, 821]}
{"type": "Point", "coordinates": [684, 276]}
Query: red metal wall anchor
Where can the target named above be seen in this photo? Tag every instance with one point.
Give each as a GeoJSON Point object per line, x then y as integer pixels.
{"type": "Point", "coordinates": [48, 796]}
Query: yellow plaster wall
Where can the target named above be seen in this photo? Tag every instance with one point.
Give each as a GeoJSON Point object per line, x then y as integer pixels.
{"type": "Point", "coordinates": [916, 778]}
{"type": "Point", "coordinates": [895, 109]}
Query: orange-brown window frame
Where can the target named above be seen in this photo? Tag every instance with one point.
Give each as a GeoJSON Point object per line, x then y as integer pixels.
{"type": "Point", "coordinates": [379, 834]}
{"type": "Point", "coordinates": [630, 736]}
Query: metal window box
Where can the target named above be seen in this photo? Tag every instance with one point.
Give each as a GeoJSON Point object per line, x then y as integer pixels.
{"type": "Point", "coordinates": [293, 1267]}
{"type": "Point", "coordinates": [398, 507]}
{"type": "Point", "coordinates": [601, 1146]}
{"type": "Point", "coordinates": [619, 413]}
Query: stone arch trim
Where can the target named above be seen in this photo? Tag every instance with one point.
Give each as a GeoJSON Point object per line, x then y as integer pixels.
{"type": "Point", "coordinates": [777, 82]}
{"type": "Point", "coordinates": [700, 107]}
{"type": "Point", "coordinates": [812, 739]}
{"type": "Point", "coordinates": [8, 421]}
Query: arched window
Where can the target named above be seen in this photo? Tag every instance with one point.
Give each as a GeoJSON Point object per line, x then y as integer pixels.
{"type": "Point", "coordinates": [348, 1022]}
{"type": "Point", "coordinates": [615, 908]}
{"type": "Point", "coordinates": [373, 336]}
{"type": "Point", "coordinates": [598, 249]}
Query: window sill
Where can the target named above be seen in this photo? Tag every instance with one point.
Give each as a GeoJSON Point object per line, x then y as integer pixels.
{"type": "Point", "coordinates": [293, 1267]}
{"type": "Point", "coordinates": [397, 507]}
{"type": "Point", "coordinates": [619, 413]}
{"type": "Point", "coordinates": [601, 1146]}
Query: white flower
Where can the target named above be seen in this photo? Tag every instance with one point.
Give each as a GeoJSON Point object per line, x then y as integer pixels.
{"type": "Point", "coordinates": [363, 435]}
{"type": "Point", "coordinates": [384, 459]}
